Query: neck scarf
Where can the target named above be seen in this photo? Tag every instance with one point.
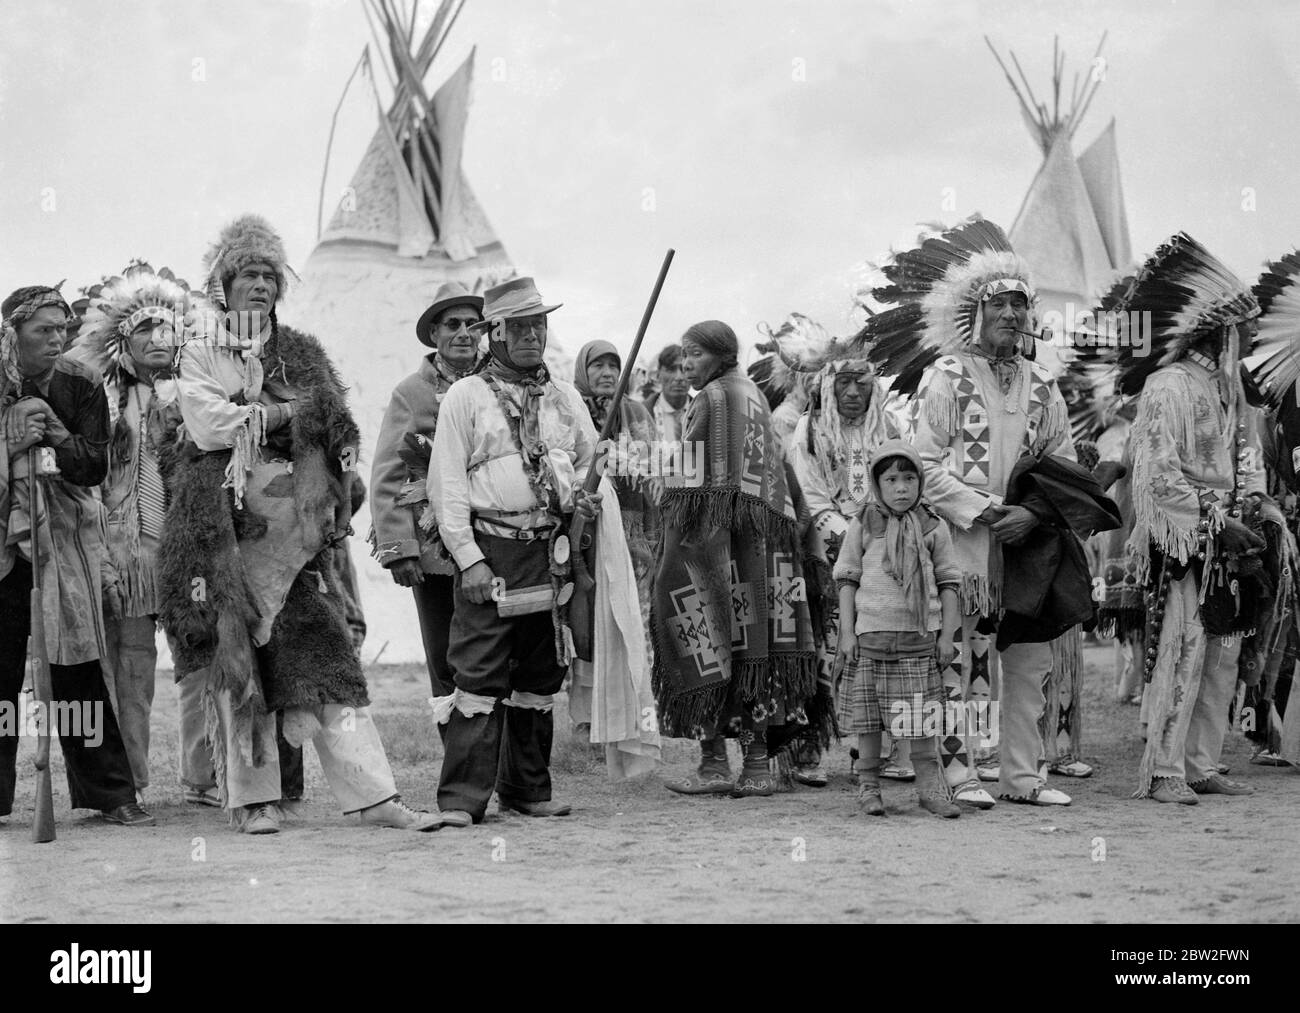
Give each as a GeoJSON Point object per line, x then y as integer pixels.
{"type": "Point", "coordinates": [449, 372]}
{"type": "Point", "coordinates": [904, 542]}
{"type": "Point", "coordinates": [1006, 368]}
{"type": "Point", "coordinates": [904, 556]}
{"type": "Point", "coordinates": [524, 419]}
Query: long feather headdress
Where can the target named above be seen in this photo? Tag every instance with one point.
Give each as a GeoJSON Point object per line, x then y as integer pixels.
{"type": "Point", "coordinates": [1188, 293]}
{"type": "Point", "coordinates": [934, 292]}
{"type": "Point", "coordinates": [117, 305]}
{"type": "Point", "coordinates": [1278, 294]}
{"type": "Point", "coordinates": [796, 351]}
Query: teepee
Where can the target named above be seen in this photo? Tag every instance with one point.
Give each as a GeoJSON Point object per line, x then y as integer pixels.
{"type": "Point", "coordinates": [1072, 228]}
{"type": "Point", "coordinates": [408, 222]}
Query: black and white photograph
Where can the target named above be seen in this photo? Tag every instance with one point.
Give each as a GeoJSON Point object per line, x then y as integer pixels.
{"type": "Point", "coordinates": [652, 462]}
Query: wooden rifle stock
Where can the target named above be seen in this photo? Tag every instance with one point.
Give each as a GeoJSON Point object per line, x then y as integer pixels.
{"type": "Point", "coordinates": [582, 606]}
{"type": "Point", "coordinates": [43, 820]}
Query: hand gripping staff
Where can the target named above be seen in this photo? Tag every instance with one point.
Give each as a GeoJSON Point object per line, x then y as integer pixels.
{"type": "Point", "coordinates": [43, 822]}
{"type": "Point", "coordinates": [582, 606]}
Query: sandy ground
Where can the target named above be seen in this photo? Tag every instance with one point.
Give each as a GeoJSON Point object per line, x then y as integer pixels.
{"type": "Point", "coordinates": [636, 852]}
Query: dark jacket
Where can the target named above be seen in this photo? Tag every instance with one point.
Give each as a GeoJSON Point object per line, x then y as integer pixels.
{"type": "Point", "coordinates": [75, 391]}
{"type": "Point", "coordinates": [1046, 580]}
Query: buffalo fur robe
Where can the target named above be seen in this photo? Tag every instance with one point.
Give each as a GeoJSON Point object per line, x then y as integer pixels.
{"type": "Point", "coordinates": [249, 592]}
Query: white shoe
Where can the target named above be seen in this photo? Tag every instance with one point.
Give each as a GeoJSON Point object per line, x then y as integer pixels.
{"type": "Point", "coordinates": [970, 793]}
{"type": "Point", "coordinates": [1041, 796]}
{"type": "Point", "coordinates": [989, 772]}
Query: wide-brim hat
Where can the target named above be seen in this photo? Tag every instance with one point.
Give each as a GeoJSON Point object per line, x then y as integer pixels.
{"type": "Point", "coordinates": [512, 300]}
{"type": "Point", "coordinates": [449, 294]}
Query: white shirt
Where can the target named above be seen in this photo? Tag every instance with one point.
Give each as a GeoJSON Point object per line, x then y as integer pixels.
{"type": "Point", "coordinates": [475, 465]}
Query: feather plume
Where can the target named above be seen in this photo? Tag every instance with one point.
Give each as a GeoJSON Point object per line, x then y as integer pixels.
{"type": "Point", "coordinates": [111, 303]}
{"type": "Point", "coordinates": [1278, 293]}
{"type": "Point", "coordinates": [796, 351]}
{"type": "Point", "coordinates": [932, 293]}
{"type": "Point", "coordinates": [1188, 293]}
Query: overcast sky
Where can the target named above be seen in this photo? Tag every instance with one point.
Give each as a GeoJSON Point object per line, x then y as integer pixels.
{"type": "Point", "coordinates": [784, 143]}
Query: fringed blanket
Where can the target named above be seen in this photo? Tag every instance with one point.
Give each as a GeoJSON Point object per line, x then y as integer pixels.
{"type": "Point", "coordinates": [70, 540]}
{"type": "Point", "coordinates": [236, 580]}
{"type": "Point", "coordinates": [730, 610]}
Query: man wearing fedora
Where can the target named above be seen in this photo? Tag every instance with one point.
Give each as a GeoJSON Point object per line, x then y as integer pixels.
{"type": "Point", "coordinates": [398, 498]}
{"type": "Point", "coordinates": [511, 451]}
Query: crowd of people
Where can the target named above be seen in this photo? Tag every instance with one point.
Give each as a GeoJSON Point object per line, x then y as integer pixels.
{"type": "Point", "coordinates": [901, 538]}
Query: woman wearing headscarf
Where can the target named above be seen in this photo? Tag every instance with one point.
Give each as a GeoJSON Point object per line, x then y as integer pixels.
{"type": "Point", "coordinates": [734, 654]}
{"type": "Point", "coordinates": [595, 374]}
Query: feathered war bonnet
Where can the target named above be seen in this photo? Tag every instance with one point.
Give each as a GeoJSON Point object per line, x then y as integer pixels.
{"type": "Point", "coordinates": [1189, 294]}
{"type": "Point", "coordinates": [118, 305]}
{"type": "Point", "coordinates": [803, 354]}
{"type": "Point", "coordinates": [936, 295]}
{"type": "Point", "coordinates": [249, 239]}
{"type": "Point", "coordinates": [1089, 379]}
{"type": "Point", "coordinates": [796, 352]}
{"type": "Point", "coordinates": [1278, 295]}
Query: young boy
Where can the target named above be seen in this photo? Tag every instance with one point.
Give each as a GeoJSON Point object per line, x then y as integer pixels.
{"type": "Point", "coordinates": [898, 580]}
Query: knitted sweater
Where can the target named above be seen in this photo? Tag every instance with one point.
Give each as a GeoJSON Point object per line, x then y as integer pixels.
{"type": "Point", "coordinates": [879, 602]}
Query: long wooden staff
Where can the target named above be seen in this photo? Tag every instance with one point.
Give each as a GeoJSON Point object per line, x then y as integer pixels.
{"type": "Point", "coordinates": [582, 607]}
{"type": "Point", "coordinates": [43, 823]}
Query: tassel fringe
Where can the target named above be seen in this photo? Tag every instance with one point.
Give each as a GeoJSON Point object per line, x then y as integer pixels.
{"type": "Point", "coordinates": [246, 452]}
{"type": "Point", "coordinates": [941, 409]}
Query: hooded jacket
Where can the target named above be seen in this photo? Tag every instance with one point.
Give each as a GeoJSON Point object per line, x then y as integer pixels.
{"type": "Point", "coordinates": [879, 603]}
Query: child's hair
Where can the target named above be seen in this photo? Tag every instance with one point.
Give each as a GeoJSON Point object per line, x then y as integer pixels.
{"type": "Point", "coordinates": [878, 468]}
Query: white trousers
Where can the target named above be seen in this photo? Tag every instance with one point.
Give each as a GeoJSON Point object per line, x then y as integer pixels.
{"type": "Point", "coordinates": [1189, 743]}
{"type": "Point", "coordinates": [348, 745]}
{"type": "Point", "coordinates": [1017, 673]}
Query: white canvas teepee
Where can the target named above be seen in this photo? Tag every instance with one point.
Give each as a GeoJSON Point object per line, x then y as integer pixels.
{"type": "Point", "coordinates": [1072, 228]}
{"type": "Point", "coordinates": [408, 222]}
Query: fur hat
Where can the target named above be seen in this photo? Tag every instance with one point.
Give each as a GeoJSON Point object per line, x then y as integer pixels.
{"type": "Point", "coordinates": [249, 239]}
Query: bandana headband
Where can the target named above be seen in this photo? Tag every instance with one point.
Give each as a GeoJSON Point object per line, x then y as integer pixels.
{"type": "Point", "coordinates": [37, 302]}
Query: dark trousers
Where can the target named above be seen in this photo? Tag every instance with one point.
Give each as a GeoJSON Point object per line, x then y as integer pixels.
{"type": "Point", "coordinates": [291, 779]}
{"type": "Point", "coordinates": [433, 605]}
{"type": "Point", "coordinates": [511, 747]}
{"type": "Point", "coordinates": [99, 774]}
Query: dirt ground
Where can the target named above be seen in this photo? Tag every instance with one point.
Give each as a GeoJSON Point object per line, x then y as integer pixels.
{"type": "Point", "coordinates": [636, 852]}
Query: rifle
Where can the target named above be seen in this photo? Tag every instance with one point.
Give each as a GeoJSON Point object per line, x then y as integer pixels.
{"type": "Point", "coordinates": [43, 821]}
{"type": "Point", "coordinates": [582, 606]}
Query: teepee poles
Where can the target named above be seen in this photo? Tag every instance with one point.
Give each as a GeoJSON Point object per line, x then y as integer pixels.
{"type": "Point", "coordinates": [1044, 125]}
{"type": "Point", "coordinates": [329, 144]}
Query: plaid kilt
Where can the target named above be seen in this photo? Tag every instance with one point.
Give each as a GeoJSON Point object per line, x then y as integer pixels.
{"type": "Point", "coordinates": [867, 695]}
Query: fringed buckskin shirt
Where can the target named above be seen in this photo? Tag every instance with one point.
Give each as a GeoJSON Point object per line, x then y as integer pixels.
{"type": "Point", "coordinates": [1183, 445]}
{"type": "Point", "coordinates": [970, 435]}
